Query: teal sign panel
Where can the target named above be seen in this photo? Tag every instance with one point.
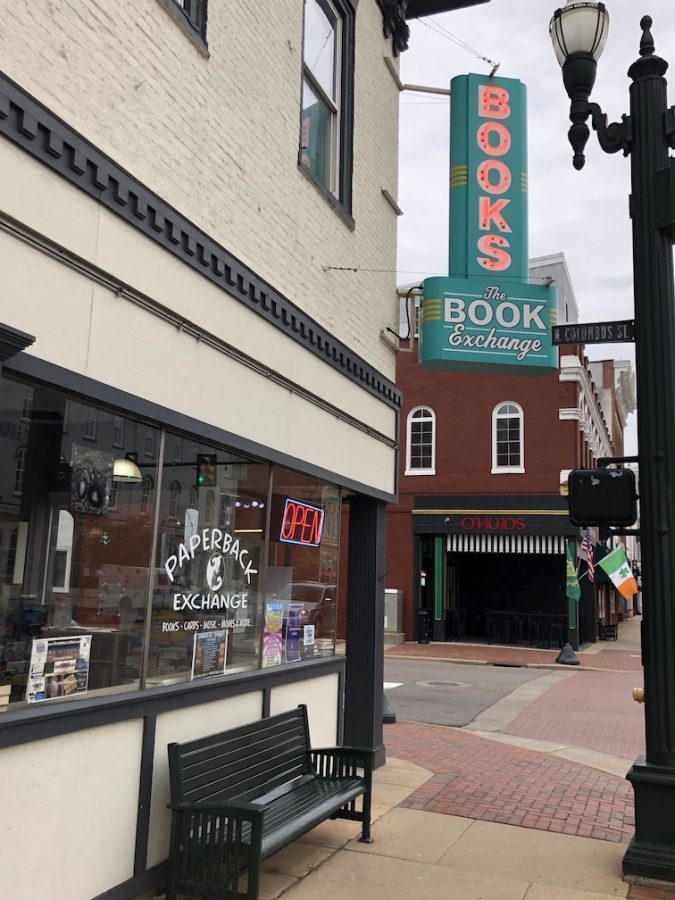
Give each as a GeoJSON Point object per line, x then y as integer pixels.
{"type": "Point", "coordinates": [488, 177]}
{"type": "Point", "coordinates": [487, 325]}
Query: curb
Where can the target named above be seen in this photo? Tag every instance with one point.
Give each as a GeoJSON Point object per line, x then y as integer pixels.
{"type": "Point", "coordinates": [510, 665]}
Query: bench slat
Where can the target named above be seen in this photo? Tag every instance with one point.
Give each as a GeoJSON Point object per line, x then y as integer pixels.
{"type": "Point", "coordinates": [255, 760]}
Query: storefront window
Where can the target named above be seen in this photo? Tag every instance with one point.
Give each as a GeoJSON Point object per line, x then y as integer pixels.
{"type": "Point", "coordinates": [301, 578]}
{"type": "Point", "coordinates": [221, 563]}
{"type": "Point", "coordinates": [206, 617]}
{"type": "Point", "coordinates": [74, 551]}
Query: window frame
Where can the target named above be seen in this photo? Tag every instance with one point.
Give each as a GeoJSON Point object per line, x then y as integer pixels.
{"type": "Point", "coordinates": [409, 470]}
{"type": "Point", "coordinates": [193, 20]}
{"type": "Point", "coordinates": [20, 457]}
{"type": "Point", "coordinates": [339, 195]}
{"type": "Point", "coordinates": [520, 416]}
{"type": "Point", "coordinates": [90, 427]}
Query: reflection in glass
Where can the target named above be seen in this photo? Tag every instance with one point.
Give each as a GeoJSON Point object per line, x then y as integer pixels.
{"type": "Point", "coordinates": [74, 555]}
{"type": "Point", "coordinates": [301, 580]}
{"type": "Point", "coordinates": [316, 136]}
{"type": "Point", "coordinates": [207, 597]}
{"type": "Point", "coordinates": [319, 46]}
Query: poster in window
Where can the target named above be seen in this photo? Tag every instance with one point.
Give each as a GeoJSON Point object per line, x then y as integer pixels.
{"type": "Point", "coordinates": [210, 654]}
{"type": "Point", "coordinates": [59, 667]}
{"type": "Point", "coordinates": [91, 482]}
{"type": "Point", "coordinates": [273, 634]}
{"type": "Point", "coordinates": [294, 632]}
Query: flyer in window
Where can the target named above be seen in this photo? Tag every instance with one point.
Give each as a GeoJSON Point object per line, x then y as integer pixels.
{"type": "Point", "coordinates": [210, 654]}
{"type": "Point", "coordinates": [273, 634]}
{"type": "Point", "coordinates": [59, 667]}
{"type": "Point", "coordinates": [294, 632]}
{"type": "Point", "coordinates": [91, 481]}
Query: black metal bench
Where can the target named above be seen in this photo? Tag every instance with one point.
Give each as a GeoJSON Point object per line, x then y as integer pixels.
{"type": "Point", "coordinates": [608, 632]}
{"type": "Point", "coordinates": [239, 796]}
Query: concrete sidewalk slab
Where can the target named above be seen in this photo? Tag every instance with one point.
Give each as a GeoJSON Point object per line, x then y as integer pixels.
{"type": "Point", "coordinates": [370, 877]}
{"type": "Point", "coordinates": [560, 860]}
{"type": "Point", "coordinates": [413, 835]}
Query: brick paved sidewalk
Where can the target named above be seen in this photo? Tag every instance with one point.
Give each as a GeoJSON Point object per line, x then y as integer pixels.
{"type": "Point", "coordinates": [595, 711]}
{"type": "Point", "coordinates": [608, 659]}
{"type": "Point", "coordinates": [482, 779]}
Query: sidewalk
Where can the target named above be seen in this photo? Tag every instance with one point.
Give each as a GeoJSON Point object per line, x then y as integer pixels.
{"type": "Point", "coordinates": [620, 655]}
{"type": "Point", "coordinates": [468, 815]}
{"type": "Point", "coordinates": [462, 815]}
{"type": "Point", "coordinates": [464, 855]}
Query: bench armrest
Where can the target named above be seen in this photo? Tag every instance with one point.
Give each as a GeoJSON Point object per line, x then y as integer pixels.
{"type": "Point", "coordinates": [338, 762]}
{"type": "Point", "coordinates": [226, 808]}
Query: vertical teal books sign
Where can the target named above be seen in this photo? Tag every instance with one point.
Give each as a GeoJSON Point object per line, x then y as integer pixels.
{"type": "Point", "coordinates": [486, 316]}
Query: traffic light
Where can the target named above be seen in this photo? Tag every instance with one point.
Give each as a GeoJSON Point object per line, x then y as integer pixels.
{"type": "Point", "coordinates": [206, 470]}
{"type": "Point", "coordinates": [602, 497]}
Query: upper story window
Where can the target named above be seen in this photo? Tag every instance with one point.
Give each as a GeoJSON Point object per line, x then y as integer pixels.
{"type": "Point", "coordinates": [327, 86]}
{"type": "Point", "coordinates": [27, 409]}
{"type": "Point", "coordinates": [149, 447]}
{"type": "Point", "coordinates": [20, 471]}
{"type": "Point", "coordinates": [90, 422]}
{"type": "Point", "coordinates": [146, 491]}
{"type": "Point", "coordinates": [421, 442]}
{"type": "Point", "coordinates": [191, 15]}
{"type": "Point", "coordinates": [174, 493]}
{"type": "Point", "coordinates": [118, 431]}
{"type": "Point", "coordinates": [507, 438]}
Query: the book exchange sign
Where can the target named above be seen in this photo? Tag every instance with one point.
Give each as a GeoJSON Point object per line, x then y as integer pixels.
{"type": "Point", "coordinates": [486, 316]}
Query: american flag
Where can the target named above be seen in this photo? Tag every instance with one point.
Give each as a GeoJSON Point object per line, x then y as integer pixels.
{"type": "Point", "coordinates": [587, 548]}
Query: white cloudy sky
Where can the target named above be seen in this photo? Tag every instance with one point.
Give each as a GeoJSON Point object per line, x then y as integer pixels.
{"type": "Point", "coordinates": [582, 214]}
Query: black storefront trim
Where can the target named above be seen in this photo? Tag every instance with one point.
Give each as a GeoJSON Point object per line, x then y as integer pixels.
{"type": "Point", "coordinates": [44, 721]}
{"type": "Point", "coordinates": [492, 515]}
{"type": "Point", "coordinates": [29, 125]}
{"type": "Point", "coordinates": [13, 341]}
{"type": "Point", "coordinates": [27, 366]}
{"type": "Point", "coordinates": [145, 793]}
{"type": "Point", "coordinates": [135, 887]}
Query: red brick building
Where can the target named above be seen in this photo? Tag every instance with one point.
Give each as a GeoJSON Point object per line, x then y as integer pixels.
{"type": "Point", "coordinates": [477, 540]}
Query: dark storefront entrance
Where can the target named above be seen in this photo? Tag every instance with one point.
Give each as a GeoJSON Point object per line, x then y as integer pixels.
{"type": "Point", "coordinates": [493, 569]}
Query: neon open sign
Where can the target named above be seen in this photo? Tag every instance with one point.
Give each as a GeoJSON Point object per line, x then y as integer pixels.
{"type": "Point", "coordinates": [301, 524]}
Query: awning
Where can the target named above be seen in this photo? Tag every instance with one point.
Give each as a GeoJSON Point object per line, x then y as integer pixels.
{"type": "Point", "coordinates": [507, 543]}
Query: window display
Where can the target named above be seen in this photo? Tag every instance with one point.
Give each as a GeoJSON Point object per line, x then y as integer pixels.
{"type": "Point", "coordinates": [209, 559]}
{"type": "Point", "coordinates": [301, 582]}
{"type": "Point", "coordinates": [75, 549]}
{"type": "Point", "coordinates": [131, 556]}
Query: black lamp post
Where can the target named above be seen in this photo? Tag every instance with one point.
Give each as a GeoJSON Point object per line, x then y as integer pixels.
{"type": "Point", "coordinates": [579, 31]}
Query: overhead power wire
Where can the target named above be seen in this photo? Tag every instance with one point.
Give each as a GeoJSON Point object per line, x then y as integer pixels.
{"type": "Point", "coordinates": [448, 35]}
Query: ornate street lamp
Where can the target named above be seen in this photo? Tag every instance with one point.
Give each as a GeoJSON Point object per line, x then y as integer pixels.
{"type": "Point", "coordinates": [579, 32]}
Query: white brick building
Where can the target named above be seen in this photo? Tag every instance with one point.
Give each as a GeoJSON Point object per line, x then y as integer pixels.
{"type": "Point", "coordinates": [197, 229]}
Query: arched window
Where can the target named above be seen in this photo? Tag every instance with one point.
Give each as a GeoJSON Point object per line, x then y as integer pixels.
{"type": "Point", "coordinates": [20, 471]}
{"type": "Point", "coordinates": [507, 438]}
{"type": "Point", "coordinates": [208, 508]}
{"type": "Point", "coordinates": [145, 494]}
{"type": "Point", "coordinates": [421, 443]}
{"type": "Point", "coordinates": [174, 491]}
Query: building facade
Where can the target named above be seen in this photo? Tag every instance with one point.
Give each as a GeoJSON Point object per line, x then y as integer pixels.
{"type": "Point", "coordinates": [192, 388]}
{"type": "Point", "coordinates": [477, 542]}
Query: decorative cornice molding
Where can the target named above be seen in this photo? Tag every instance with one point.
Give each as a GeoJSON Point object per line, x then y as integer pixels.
{"type": "Point", "coordinates": [588, 413]}
{"type": "Point", "coordinates": [394, 24]}
{"type": "Point", "coordinates": [13, 341]}
{"type": "Point", "coordinates": [29, 125]}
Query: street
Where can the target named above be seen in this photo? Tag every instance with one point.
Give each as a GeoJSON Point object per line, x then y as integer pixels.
{"type": "Point", "coordinates": [449, 694]}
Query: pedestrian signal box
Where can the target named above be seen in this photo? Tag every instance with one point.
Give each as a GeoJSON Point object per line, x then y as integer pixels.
{"type": "Point", "coordinates": [602, 497]}
{"type": "Point", "coordinates": [206, 470]}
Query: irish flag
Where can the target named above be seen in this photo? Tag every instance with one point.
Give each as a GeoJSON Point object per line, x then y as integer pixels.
{"type": "Point", "coordinates": [616, 566]}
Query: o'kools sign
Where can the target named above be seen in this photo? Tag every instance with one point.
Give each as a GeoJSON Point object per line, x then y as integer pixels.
{"type": "Point", "coordinates": [486, 313]}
